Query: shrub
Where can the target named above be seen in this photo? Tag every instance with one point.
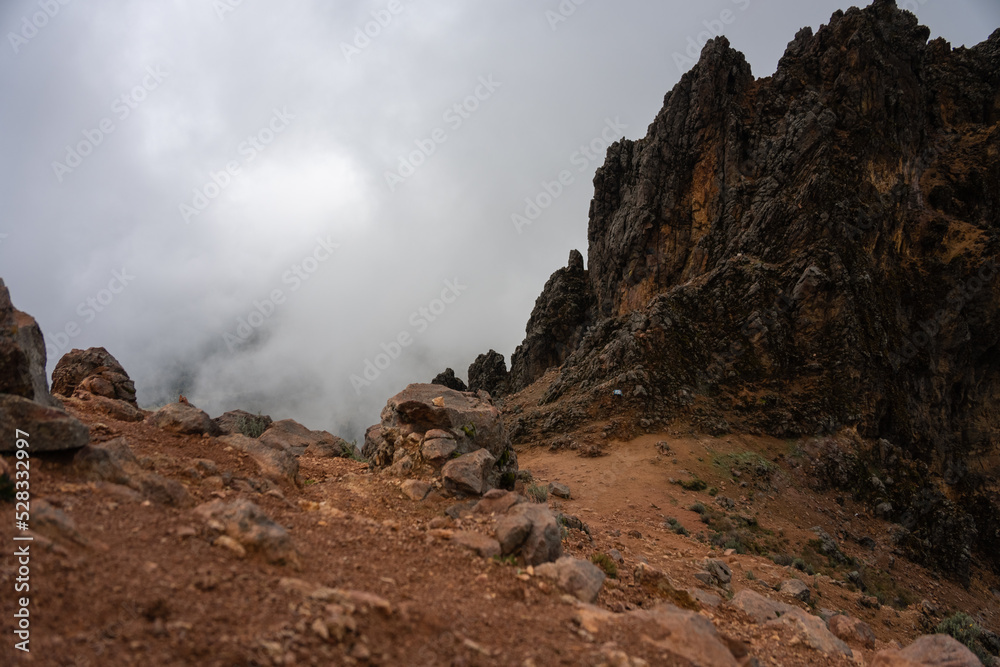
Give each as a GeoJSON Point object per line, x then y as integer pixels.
{"type": "Point", "coordinates": [252, 426]}
{"type": "Point", "coordinates": [606, 563]}
{"type": "Point", "coordinates": [537, 493]}
{"type": "Point", "coordinates": [964, 628]}
{"type": "Point", "coordinates": [675, 525]}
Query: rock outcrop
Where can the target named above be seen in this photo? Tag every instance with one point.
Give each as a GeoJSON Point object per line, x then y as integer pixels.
{"type": "Point", "coordinates": [448, 379]}
{"type": "Point", "coordinates": [802, 254]}
{"type": "Point", "coordinates": [25, 401]}
{"type": "Point", "coordinates": [95, 371]}
{"type": "Point", "coordinates": [489, 373]}
{"type": "Point", "coordinates": [426, 426]}
{"type": "Point", "coordinates": [556, 326]}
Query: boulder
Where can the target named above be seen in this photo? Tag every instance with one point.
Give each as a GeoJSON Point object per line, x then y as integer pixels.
{"type": "Point", "coordinates": [292, 436]}
{"type": "Point", "coordinates": [852, 631]}
{"type": "Point", "coordinates": [539, 544]}
{"type": "Point", "coordinates": [658, 583]}
{"type": "Point", "coordinates": [93, 371]}
{"type": "Point", "coordinates": [114, 462]}
{"type": "Point", "coordinates": [580, 578]}
{"type": "Point", "coordinates": [247, 524]}
{"type": "Point", "coordinates": [415, 489]}
{"type": "Point", "coordinates": [120, 410]}
{"type": "Point", "coordinates": [182, 418]}
{"type": "Point", "coordinates": [411, 417]}
{"type": "Point", "coordinates": [758, 607]}
{"type": "Point", "coordinates": [928, 651]}
{"type": "Point", "coordinates": [448, 379]}
{"type": "Point", "coordinates": [684, 635]}
{"type": "Point", "coordinates": [558, 489]}
{"type": "Point", "coordinates": [469, 473]}
{"type": "Point", "coordinates": [275, 462]}
{"type": "Point", "coordinates": [797, 589]}
{"type": "Point", "coordinates": [49, 429]}
{"type": "Point", "coordinates": [22, 354]}
{"type": "Point", "coordinates": [813, 631]}
{"type": "Point", "coordinates": [242, 422]}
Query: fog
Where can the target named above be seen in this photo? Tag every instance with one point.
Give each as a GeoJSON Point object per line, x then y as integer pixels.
{"type": "Point", "coordinates": [301, 207]}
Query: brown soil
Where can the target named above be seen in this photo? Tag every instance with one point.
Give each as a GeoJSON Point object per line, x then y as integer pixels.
{"type": "Point", "coordinates": [148, 588]}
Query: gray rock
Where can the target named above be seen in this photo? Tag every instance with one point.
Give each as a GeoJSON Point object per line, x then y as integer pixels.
{"type": "Point", "coordinates": [580, 578]}
{"type": "Point", "coordinates": [247, 523]}
{"type": "Point", "coordinates": [758, 607]}
{"type": "Point", "coordinates": [544, 541]}
{"type": "Point", "coordinates": [719, 570]}
{"type": "Point", "coordinates": [797, 589]}
{"type": "Point", "coordinates": [489, 373]}
{"type": "Point", "coordinates": [274, 461]}
{"type": "Point", "coordinates": [49, 429]}
{"type": "Point", "coordinates": [182, 418]}
{"type": "Point", "coordinates": [295, 438]}
{"type": "Point", "coordinates": [438, 450]}
{"type": "Point", "coordinates": [558, 490]}
{"type": "Point", "coordinates": [22, 354]}
{"type": "Point", "coordinates": [235, 420]}
{"type": "Point", "coordinates": [511, 531]}
{"type": "Point", "coordinates": [471, 419]}
{"type": "Point", "coordinates": [884, 510]}
{"type": "Point", "coordinates": [469, 472]}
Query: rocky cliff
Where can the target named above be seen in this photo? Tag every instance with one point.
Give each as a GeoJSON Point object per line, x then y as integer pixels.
{"type": "Point", "coordinates": [804, 254]}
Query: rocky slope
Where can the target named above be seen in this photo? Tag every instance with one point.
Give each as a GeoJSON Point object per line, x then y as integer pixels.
{"type": "Point", "coordinates": [809, 253]}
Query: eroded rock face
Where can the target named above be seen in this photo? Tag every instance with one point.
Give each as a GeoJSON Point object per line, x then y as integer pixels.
{"type": "Point", "coordinates": [802, 253]}
{"type": "Point", "coordinates": [489, 373]}
{"type": "Point", "coordinates": [426, 425]}
{"type": "Point", "coordinates": [93, 370]}
{"type": "Point", "coordinates": [22, 354]}
{"type": "Point", "coordinates": [556, 326]}
{"type": "Point", "coordinates": [448, 379]}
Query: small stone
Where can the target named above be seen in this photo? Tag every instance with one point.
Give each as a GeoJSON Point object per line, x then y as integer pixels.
{"type": "Point", "coordinates": [579, 578]}
{"type": "Point", "coordinates": [415, 489]}
{"type": "Point", "coordinates": [559, 490]}
{"type": "Point", "coordinates": [319, 627]}
{"type": "Point", "coordinates": [227, 542]}
{"type": "Point", "coordinates": [468, 472]}
{"type": "Point", "coordinates": [796, 588]}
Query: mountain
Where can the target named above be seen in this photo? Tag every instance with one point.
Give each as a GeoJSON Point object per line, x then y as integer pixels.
{"type": "Point", "coordinates": [807, 255]}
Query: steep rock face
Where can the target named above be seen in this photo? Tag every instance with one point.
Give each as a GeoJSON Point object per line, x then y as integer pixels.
{"type": "Point", "coordinates": [22, 354]}
{"type": "Point", "coordinates": [556, 325]}
{"type": "Point", "coordinates": [448, 379]}
{"type": "Point", "coordinates": [804, 253]}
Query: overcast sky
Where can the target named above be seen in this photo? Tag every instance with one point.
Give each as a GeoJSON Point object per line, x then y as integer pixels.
{"type": "Point", "coordinates": [169, 169]}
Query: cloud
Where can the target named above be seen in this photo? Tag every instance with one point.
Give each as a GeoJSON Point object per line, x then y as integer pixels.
{"type": "Point", "coordinates": [323, 176]}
